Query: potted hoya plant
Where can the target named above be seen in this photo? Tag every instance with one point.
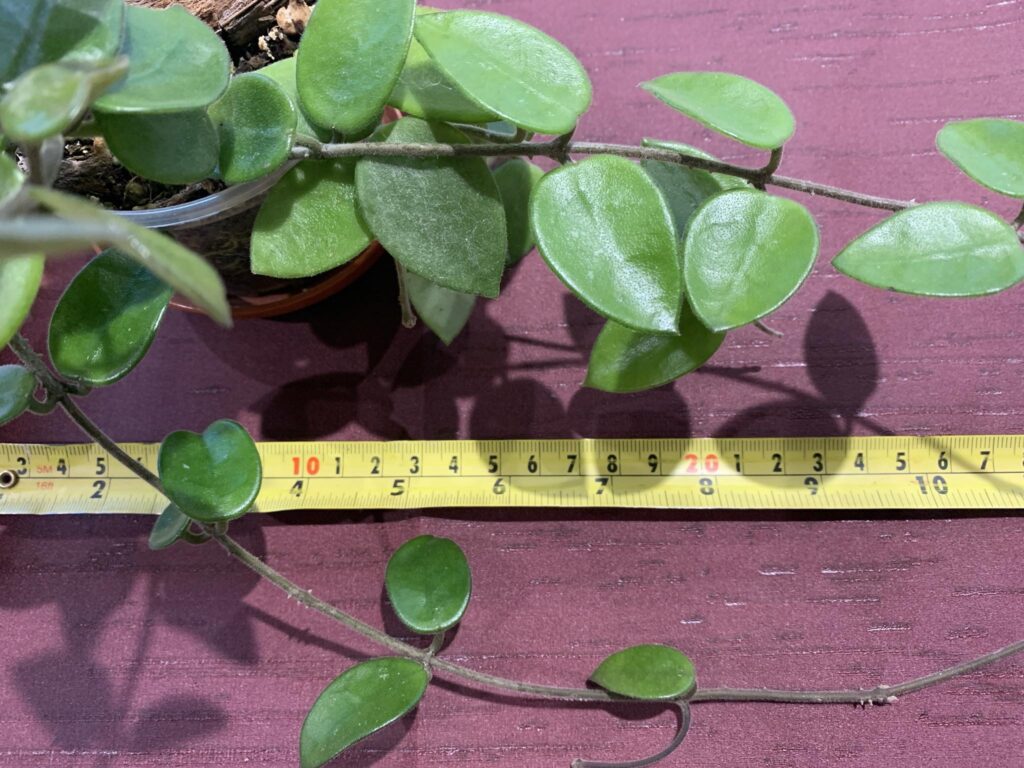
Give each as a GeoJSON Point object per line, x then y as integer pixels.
{"type": "Point", "coordinates": [414, 132]}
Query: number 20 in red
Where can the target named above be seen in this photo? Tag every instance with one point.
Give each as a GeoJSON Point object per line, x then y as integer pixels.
{"type": "Point", "coordinates": [693, 462]}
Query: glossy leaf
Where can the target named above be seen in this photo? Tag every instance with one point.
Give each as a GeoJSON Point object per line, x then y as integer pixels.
{"type": "Point", "coordinates": [106, 319]}
{"type": "Point", "coordinates": [508, 68]}
{"type": "Point", "coordinates": [20, 277]}
{"type": "Point", "coordinates": [428, 583]}
{"type": "Point", "coordinates": [360, 701]}
{"type": "Point", "coordinates": [44, 102]}
{"type": "Point", "coordinates": [989, 150]}
{"type": "Point", "coordinates": [349, 60]}
{"type": "Point", "coordinates": [730, 104]}
{"type": "Point", "coordinates": [212, 477]}
{"type": "Point", "coordinates": [309, 223]}
{"type": "Point", "coordinates": [16, 388]}
{"type": "Point", "coordinates": [605, 230]}
{"type": "Point", "coordinates": [650, 672]}
{"type": "Point", "coordinates": [441, 218]}
{"type": "Point", "coordinates": [256, 122]}
{"type": "Point", "coordinates": [176, 63]}
{"type": "Point", "coordinates": [445, 312]}
{"type": "Point", "coordinates": [11, 178]}
{"type": "Point", "coordinates": [624, 360]}
{"type": "Point", "coordinates": [746, 252]}
{"type": "Point", "coordinates": [516, 181]}
{"type": "Point", "coordinates": [167, 529]}
{"type": "Point", "coordinates": [283, 73]}
{"type": "Point", "coordinates": [178, 148]}
{"type": "Point", "coordinates": [937, 249]}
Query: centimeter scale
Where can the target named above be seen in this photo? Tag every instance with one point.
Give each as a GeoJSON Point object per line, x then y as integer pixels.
{"type": "Point", "coordinates": [959, 472]}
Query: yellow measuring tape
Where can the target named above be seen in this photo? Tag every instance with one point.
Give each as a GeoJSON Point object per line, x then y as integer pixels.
{"type": "Point", "coordinates": [960, 472]}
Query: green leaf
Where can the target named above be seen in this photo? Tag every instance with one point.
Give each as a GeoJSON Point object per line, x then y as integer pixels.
{"type": "Point", "coordinates": [212, 477]}
{"type": "Point", "coordinates": [11, 179]}
{"type": "Point", "coordinates": [442, 217]}
{"type": "Point", "coordinates": [283, 73]}
{"type": "Point", "coordinates": [624, 360]}
{"type": "Point", "coordinates": [178, 148]}
{"type": "Point", "coordinates": [937, 249]}
{"type": "Point", "coordinates": [20, 277]}
{"type": "Point", "coordinates": [360, 701]}
{"type": "Point", "coordinates": [650, 672]}
{"type": "Point", "coordinates": [349, 60]}
{"type": "Point", "coordinates": [732, 105]}
{"type": "Point", "coordinates": [725, 181]}
{"type": "Point", "coordinates": [176, 63]}
{"type": "Point", "coordinates": [516, 181]}
{"type": "Point", "coordinates": [108, 316]}
{"type": "Point", "coordinates": [605, 230]}
{"type": "Point", "coordinates": [746, 252]}
{"type": "Point", "coordinates": [168, 527]}
{"type": "Point", "coordinates": [256, 122]}
{"type": "Point", "coordinates": [989, 150]}
{"type": "Point", "coordinates": [445, 312]}
{"type": "Point", "coordinates": [508, 68]}
{"type": "Point", "coordinates": [185, 272]}
{"type": "Point", "coordinates": [308, 223]}
{"type": "Point", "coordinates": [16, 388]}
{"type": "Point", "coordinates": [428, 584]}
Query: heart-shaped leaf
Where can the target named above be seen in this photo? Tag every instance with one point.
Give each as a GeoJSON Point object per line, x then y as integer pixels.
{"type": "Point", "coordinates": [606, 231]}
{"type": "Point", "coordinates": [650, 672]}
{"type": "Point", "coordinates": [508, 68]}
{"type": "Point", "coordinates": [730, 104]}
{"type": "Point", "coordinates": [989, 150]}
{"type": "Point", "coordinates": [308, 223]}
{"type": "Point", "coordinates": [516, 181]}
{"type": "Point", "coordinates": [441, 218]}
{"type": "Point", "coordinates": [360, 701]}
{"type": "Point", "coordinates": [349, 60]}
{"type": "Point", "coordinates": [256, 122]}
{"type": "Point", "coordinates": [445, 312]}
{"type": "Point", "coordinates": [937, 249]}
{"type": "Point", "coordinates": [746, 253]}
{"type": "Point", "coordinates": [212, 477]}
{"type": "Point", "coordinates": [283, 73]}
{"type": "Point", "coordinates": [20, 277]}
{"type": "Point", "coordinates": [108, 316]}
{"type": "Point", "coordinates": [624, 360]}
{"type": "Point", "coordinates": [16, 388]}
{"type": "Point", "coordinates": [428, 584]}
{"type": "Point", "coordinates": [179, 148]}
{"type": "Point", "coordinates": [168, 527]}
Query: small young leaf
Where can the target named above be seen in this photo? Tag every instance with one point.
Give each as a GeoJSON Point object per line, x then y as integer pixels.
{"type": "Point", "coordinates": [937, 249]}
{"type": "Point", "coordinates": [283, 73]}
{"type": "Point", "coordinates": [650, 672]}
{"type": "Point", "coordinates": [106, 320]}
{"type": "Point", "coordinates": [360, 701]}
{"type": "Point", "coordinates": [16, 388]}
{"type": "Point", "coordinates": [732, 105]}
{"type": "Point", "coordinates": [256, 122]}
{"type": "Point", "coordinates": [441, 218]}
{"type": "Point", "coordinates": [179, 148]}
{"type": "Point", "coordinates": [20, 277]}
{"type": "Point", "coordinates": [605, 230]}
{"type": "Point", "coordinates": [43, 102]}
{"type": "Point", "coordinates": [445, 312]}
{"type": "Point", "coordinates": [349, 60]}
{"type": "Point", "coordinates": [746, 252]}
{"type": "Point", "coordinates": [725, 181]}
{"type": "Point", "coordinates": [508, 68]}
{"type": "Point", "coordinates": [309, 223]}
{"type": "Point", "coordinates": [516, 180]}
{"type": "Point", "coordinates": [989, 150]}
{"type": "Point", "coordinates": [168, 527]}
{"type": "Point", "coordinates": [212, 477]}
{"type": "Point", "coordinates": [428, 583]}
{"type": "Point", "coordinates": [624, 360]}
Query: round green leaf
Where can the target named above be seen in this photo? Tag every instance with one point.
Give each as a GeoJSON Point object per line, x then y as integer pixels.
{"type": "Point", "coordinates": [176, 63]}
{"type": "Point", "coordinates": [746, 253]}
{"type": "Point", "coordinates": [16, 388]}
{"type": "Point", "coordinates": [442, 217]}
{"type": "Point", "coordinates": [20, 277]}
{"type": "Point", "coordinates": [43, 102]}
{"type": "Point", "coordinates": [651, 672]}
{"type": "Point", "coordinates": [212, 477]}
{"type": "Point", "coordinates": [989, 150]}
{"type": "Point", "coordinates": [283, 73]}
{"type": "Point", "coordinates": [178, 148]}
{"type": "Point", "coordinates": [309, 223]}
{"type": "Point", "coordinates": [937, 249]}
{"type": "Point", "coordinates": [605, 230]}
{"type": "Point", "coordinates": [508, 68]}
{"type": "Point", "coordinates": [108, 316]}
{"type": "Point", "coordinates": [624, 360]}
{"type": "Point", "coordinates": [428, 583]}
{"type": "Point", "coordinates": [360, 701]}
{"type": "Point", "coordinates": [168, 528]}
{"type": "Point", "coordinates": [349, 60]}
{"type": "Point", "coordinates": [735, 106]}
{"type": "Point", "coordinates": [256, 122]}
{"type": "Point", "coordinates": [516, 181]}
{"type": "Point", "coordinates": [445, 312]}
{"type": "Point", "coordinates": [11, 178]}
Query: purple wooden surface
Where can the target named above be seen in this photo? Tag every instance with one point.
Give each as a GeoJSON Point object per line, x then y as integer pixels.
{"type": "Point", "coordinates": [116, 656]}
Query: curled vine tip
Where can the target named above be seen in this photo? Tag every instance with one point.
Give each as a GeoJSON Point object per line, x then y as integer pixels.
{"type": "Point", "coordinates": [681, 731]}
